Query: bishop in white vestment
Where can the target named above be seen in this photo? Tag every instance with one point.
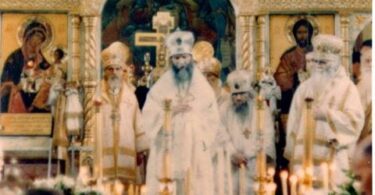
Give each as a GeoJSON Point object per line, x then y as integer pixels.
{"type": "Point", "coordinates": [194, 122]}
{"type": "Point", "coordinates": [337, 113]}
{"type": "Point", "coordinates": [239, 119]}
{"type": "Point", "coordinates": [120, 136]}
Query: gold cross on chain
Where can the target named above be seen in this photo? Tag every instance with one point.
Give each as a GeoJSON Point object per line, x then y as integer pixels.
{"type": "Point", "coordinates": [246, 133]}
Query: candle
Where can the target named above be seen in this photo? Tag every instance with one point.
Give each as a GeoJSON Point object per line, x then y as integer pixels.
{"type": "Point", "coordinates": [308, 141]}
{"type": "Point", "coordinates": [271, 173]}
{"type": "Point", "coordinates": [119, 188]}
{"type": "Point", "coordinates": [242, 175]}
{"type": "Point", "coordinates": [325, 175]}
{"type": "Point", "coordinates": [256, 187]}
{"type": "Point", "coordinates": [284, 176]}
{"type": "Point", "coordinates": [84, 175]}
{"type": "Point", "coordinates": [331, 178]}
{"type": "Point", "coordinates": [293, 184]}
{"type": "Point", "coordinates": [143, 190]}
{"type": "Point", "coordinates": [166, 164]}
{"type": "Point", "coordinates": [300, 175]}
{"type": "Point", "coordinates": [130, 189]}
{"type": "Point", "coordinates": [271, 189]}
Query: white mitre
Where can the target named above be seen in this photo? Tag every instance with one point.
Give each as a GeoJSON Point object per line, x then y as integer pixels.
{"type": "Point", "coordinates": [115, 54]}
{"type": "Point", "coordinates": [327, 44]}
{"type": "Point", "coordinates": [240, 81]}
{"type": "Point", "coordinates": [180, 42]}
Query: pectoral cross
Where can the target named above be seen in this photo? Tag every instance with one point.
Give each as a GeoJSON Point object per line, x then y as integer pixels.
{"type": "Point", "coordinates": [163, 23]}
{"type": "Point", "coordinates": [115, 115]}
{"type": "Point", "coordinates": [246, 133]}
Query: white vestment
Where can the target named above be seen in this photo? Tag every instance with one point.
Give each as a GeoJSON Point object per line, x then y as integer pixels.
{"type": "Point", "coordinates": [340, 100]}
{"type": "Point", "coordinates": [120, 136]}
{"type": "Point", "coordinates": [192, 133]}
{"type": "Point", "coordinates": [243, 138]}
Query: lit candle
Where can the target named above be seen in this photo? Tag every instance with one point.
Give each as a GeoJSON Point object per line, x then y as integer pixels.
{"type": "Point", "coordinates": [84, 175]}
{"type": "Point", "coordinates": [325, 175]}
{"type": "Point", "coordinates": [293, 184]}
{"type": "Point", "coordinates": [271, 189]}
{"type": "Point", "coordinates": [271, 173]}
{"type": "Point", "coordinates": [119, 188]}
{"type": "Point", "coordinates": [300, 175]}
{"type": "Point", "coordinates": [143, 190]}
{"type": "Point", "coordinates": [284, 176]}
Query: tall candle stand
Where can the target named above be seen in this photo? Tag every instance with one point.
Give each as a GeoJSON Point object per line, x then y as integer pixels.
{"type": "Point", "coordinates": [308, 141]}
{"type": "Point", "coordinates": [166, 175]}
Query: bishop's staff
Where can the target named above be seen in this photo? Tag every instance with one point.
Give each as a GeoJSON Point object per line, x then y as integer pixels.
{"type": "Point", "coordinates": [308, 142]}
{"type": "Point", "coordinates": [166, 175]}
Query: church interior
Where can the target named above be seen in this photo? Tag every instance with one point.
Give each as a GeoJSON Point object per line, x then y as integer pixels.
{"type": "Point", "coordinates": [185, 97]}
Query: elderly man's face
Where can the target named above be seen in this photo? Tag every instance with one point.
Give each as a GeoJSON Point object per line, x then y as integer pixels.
{"type": "Point", "coordinates": [326, 62]}
{"type": "Point", "coordinates": [310, 62]}
{"type": "Point", "coordinates": [181, 60]}
{"type": "Point", "coordinates": [240, 98]}
{"type": "Point", "coordinates": [114, 71]}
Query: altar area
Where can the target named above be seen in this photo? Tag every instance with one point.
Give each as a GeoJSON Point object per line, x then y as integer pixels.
{"type": "Point", "coordinates": [58, 146]}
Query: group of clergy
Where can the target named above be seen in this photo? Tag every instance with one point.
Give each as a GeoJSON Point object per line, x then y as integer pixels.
{"type": "Point", "coordinates": [213, 129]}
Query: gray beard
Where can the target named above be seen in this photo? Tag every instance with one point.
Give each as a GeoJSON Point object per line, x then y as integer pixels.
{"type": "Point", "coordinates": [114, 83]}
{"type": "Point", "coordinates": [182, 75]}
{"type": "Point", "coordinates": [242, 111]}
{"type": "Point", "coordinates": [320, 81]}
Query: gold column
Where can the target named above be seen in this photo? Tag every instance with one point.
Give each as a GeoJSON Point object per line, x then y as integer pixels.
{"type": "Point", "coordinates": [89, 80]}
{"type": "Point", "coordinates": [247, 49]}
{"type": "Point", "coordinates": [344, 33]}
{"type": "Point", "coordinates": [261, 43]}
{"type": "Point", "coordinates": [75, 21]}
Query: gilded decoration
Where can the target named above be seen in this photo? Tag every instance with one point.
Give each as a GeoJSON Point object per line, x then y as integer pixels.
{"type": "Point", "coordinates": [274, 6]}
{"type": "Point", "coordinates": [27, 5]}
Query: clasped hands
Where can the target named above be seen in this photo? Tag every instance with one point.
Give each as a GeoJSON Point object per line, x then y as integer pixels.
{"type": "Point", "coordinates": [180, 108]}
{"type": "Point", "coordinates": [320, 113]}
{"type": "Point", "coordinates": [238, 159]}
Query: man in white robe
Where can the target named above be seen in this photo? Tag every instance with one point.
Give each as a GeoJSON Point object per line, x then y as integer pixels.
{"type": "Point", "coordinates": [364, 87]}
{"type": "Point", "coordinates": [239, 119]}
{"type": "Point", "coordinates": [120, 136]}
{"type": "Point", "coordinates": [336, 113]}
{"type": "Point", "coordinates": [194, 122]}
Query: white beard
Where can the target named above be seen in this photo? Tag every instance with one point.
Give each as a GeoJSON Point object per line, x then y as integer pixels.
{"type": "Point", "coordinates": [114, 84]}
{"type": "Point", "coordinates": [320, 81]}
